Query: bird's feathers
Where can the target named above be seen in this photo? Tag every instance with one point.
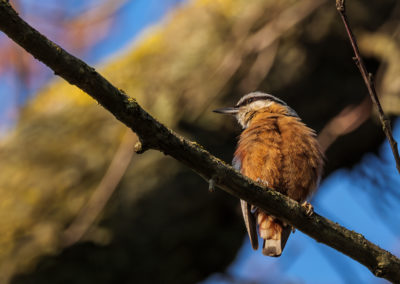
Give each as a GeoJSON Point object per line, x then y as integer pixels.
{"type": "Point", "coordinates": [279, 151]}
{"type": "Point", "coordinates": [250, 222]}
{"type": "Point", "coordinates": [248, 216]}
{"type": "Point", "coordinates": [274, 233]}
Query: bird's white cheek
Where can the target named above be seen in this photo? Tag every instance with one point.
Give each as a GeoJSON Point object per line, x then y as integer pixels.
{"type": "Point", "coordinates": [241, 117]}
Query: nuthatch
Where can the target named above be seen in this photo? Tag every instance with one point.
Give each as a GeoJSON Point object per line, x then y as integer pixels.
{"type": "Point", "coordinates": [279, 151]}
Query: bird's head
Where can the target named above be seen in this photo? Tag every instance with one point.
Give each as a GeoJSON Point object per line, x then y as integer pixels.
{"type": "Point", "coordinates": [251, 104]}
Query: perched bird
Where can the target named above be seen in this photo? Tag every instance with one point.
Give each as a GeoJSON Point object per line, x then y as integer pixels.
{"type": "Point", "coordinates": [279, 151]}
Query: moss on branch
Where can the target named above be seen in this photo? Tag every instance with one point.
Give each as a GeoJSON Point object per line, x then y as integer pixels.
{"type": "Point", "coordinates": [155, 135]}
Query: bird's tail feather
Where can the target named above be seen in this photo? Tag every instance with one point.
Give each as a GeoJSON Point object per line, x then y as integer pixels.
{"type": "Point", "coordinates": [250, 222]}
{"type": "Point", "coordinates": [274, 233]}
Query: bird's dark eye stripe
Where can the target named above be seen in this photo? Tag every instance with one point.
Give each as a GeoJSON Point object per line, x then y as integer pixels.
{"type": "Point", "coordinates": [250, 100]}
{"type": "Point", "coordinates": [257, 98]}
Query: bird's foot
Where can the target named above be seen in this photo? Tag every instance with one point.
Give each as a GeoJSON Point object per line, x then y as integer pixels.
{"type": "Point", "coordinates": [262, 182]}
{"type": "Point", "coordinates": [308, 207]}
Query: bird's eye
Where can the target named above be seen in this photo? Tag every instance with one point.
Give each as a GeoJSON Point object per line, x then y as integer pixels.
{"type": "Point", "coordinates": [246, 102]}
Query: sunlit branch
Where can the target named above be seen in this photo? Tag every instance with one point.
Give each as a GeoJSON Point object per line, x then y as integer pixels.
{"type": "Point", "coordinates": [154, 135]}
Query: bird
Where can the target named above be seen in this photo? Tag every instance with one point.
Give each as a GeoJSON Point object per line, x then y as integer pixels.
{"type": "Point", "coordinates": [277, 150]}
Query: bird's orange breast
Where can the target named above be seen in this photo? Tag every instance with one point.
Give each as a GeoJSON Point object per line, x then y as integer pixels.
{"type": "Point", "coordinates": [282, 152]}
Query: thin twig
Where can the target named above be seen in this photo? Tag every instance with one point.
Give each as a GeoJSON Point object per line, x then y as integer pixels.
{"type": "Point", "coordinates": [348, 120]}
{"type": "Point", "coordinates": [157, 136]}
{"type": "Point", "coordinates": [369, 82]}
{"type": "Point", "coordinates": [102, 194]}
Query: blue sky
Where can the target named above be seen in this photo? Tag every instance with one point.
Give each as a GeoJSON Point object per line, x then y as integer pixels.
{"type": "Point", "coordinates": [357, 198]}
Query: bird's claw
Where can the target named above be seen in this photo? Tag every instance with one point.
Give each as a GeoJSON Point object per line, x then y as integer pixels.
{"type": "Point", "coordinates": [262, 182]}
{"type": "Point", "coordinates": [308, 207]}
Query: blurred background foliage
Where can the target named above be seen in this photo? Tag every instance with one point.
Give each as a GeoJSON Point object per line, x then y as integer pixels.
{"type": "Point", "coordinates": [77, 206]}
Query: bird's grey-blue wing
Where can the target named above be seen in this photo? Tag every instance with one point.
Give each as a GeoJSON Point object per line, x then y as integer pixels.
{"type": "Point", "coordinates": [248, 216]}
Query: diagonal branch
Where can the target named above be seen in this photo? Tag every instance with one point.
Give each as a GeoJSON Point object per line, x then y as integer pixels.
{"type": "Point", "coordinates": [90, 212]}
{"type": "Point", "coordinates": [369, 82]}
{"type": "Point", "coordinates": [348, 120]}
{"type": "Point", "coordinates": [154, 135]}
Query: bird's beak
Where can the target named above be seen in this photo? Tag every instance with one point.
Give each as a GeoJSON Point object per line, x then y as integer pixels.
{"type": "Point", "coordinates": [227, 110]}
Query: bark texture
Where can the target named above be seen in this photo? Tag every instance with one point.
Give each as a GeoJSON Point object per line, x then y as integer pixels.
{"type": "Point", "coordinates": [160, 214]}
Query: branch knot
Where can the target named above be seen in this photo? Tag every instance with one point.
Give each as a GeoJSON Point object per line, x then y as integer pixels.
{"type": "Point", "coordinates": [140, 147]}
{"type": "Point", "coordinates": [340, 5]}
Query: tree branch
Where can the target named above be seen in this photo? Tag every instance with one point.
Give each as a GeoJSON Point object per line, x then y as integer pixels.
{"type": "Point", "coordinates": [155, 135]}
{"type": "Point", "coordinates": [369, 82]}
{"type": "Point", "coordinates": [98, 200]}
{"type": "Point", "coordinates": [348, 120]}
